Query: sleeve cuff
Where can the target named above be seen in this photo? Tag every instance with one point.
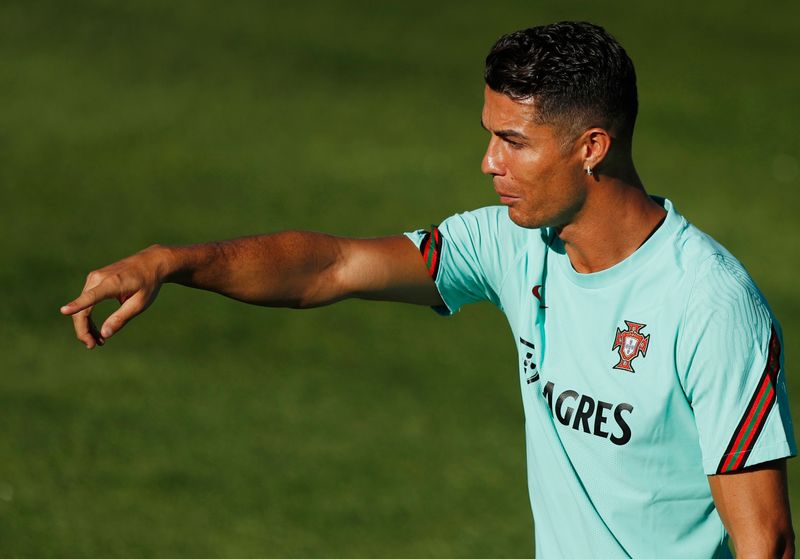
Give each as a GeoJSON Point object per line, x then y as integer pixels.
{"type": "Point", "coordinates": [416, 237]}
{"type": "Point", "coordinates": [757, 456]}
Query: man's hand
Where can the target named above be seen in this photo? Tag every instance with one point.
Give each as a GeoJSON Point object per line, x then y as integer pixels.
{"type": "Point", "coordinates": [754, 506]}
{"type": "Point", "coordinates": [134, 282]}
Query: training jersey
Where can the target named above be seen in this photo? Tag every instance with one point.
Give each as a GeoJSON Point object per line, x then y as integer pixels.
{"type": "Point", "coordinates": [637, 381]}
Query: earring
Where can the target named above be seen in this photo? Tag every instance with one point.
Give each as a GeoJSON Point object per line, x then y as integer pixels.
{"type": "Point", "coordinates": [589, 171]}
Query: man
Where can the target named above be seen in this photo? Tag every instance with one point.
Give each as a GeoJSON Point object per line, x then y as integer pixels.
{"type": "Point", "coordinates": [650, 365]}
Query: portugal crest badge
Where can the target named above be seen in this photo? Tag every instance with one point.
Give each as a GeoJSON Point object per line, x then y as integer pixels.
{"type": "Point", "coordinates": [630, 343]}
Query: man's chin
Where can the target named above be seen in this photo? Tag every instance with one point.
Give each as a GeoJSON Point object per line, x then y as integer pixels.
{"type": "Point", "coordinates": [524, 220]}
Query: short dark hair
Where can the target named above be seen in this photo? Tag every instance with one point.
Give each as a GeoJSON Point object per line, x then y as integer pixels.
{"type": "Point", "coordinates": [576, 73]}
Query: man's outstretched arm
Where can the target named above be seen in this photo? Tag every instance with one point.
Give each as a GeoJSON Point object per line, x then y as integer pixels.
{"type": "Point", "coordinates": [289, 269]}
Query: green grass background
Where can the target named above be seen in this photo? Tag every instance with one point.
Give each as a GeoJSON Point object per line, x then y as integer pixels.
{"type": "Point", "coordinates": [214, 429]}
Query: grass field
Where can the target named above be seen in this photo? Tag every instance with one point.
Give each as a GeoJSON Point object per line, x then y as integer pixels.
{"type": "Point", "coordinates": [213, 429]}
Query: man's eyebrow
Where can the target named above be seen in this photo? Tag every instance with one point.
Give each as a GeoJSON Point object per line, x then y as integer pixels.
{"type": "Point", "coordinates": [505, 133]}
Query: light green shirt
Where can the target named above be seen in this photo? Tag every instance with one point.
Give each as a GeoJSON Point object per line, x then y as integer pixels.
{"type": "Point", "coordinates": [637, 381]}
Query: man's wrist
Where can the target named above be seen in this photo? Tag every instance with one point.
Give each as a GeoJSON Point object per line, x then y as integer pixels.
{"type": "Point", "coordinates": [165, 261]}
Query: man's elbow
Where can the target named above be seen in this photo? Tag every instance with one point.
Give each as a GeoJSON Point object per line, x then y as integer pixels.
{"type": "Point", "coordinates": [782, 545]}
{"type": "Point", "coordinates": [769, 544]}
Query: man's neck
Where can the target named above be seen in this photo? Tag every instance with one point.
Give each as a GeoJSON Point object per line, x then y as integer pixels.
{"type": "Point", "coordinates": [616, 219]}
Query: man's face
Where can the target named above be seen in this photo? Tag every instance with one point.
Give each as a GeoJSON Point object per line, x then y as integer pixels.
{"type": "Point", "coordinates": [539, 179]}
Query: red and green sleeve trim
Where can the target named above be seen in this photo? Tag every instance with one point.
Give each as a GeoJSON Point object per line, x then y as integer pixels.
{"type": "Point", "coordinates": [431, 249]}
{"type": "Point", "coordinates": [754, 418]}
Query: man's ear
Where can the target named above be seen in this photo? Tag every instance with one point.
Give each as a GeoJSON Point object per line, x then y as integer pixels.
{"type": "Point", "coordinates": [594, 145]}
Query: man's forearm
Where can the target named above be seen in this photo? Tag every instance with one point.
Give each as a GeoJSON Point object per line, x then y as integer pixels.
{"type": "Point", "coordinates": [294, 269]}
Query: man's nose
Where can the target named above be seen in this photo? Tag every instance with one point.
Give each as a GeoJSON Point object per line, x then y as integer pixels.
{"type": "Point", "coordinates": [492, 163]}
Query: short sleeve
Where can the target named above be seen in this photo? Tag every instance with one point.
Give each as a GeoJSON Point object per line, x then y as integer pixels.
{"type": "Point", "coordinates": [469, 254]}
{"type": "Point", "coordinates": [730, 358]}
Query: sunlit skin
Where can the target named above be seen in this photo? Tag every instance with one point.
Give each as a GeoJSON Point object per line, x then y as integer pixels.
{"type": "Point", "coordinates": [542, 179]}
{"type": "Point", "coordinates": [539, 181]}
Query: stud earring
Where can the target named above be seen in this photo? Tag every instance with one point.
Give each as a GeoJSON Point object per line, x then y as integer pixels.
{"type": "Point", "coordinates": [589, 171]}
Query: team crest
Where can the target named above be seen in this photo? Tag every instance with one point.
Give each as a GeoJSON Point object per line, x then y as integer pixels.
{"type": "Point", "coordinates": [630, 343]}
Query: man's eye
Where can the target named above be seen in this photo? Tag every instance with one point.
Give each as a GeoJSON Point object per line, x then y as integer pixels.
{"type": "Point", "coordinates": [513, 144]}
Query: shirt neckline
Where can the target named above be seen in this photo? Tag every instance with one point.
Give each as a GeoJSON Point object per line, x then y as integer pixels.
{"type": "Point", "coordinates": [630, 264]}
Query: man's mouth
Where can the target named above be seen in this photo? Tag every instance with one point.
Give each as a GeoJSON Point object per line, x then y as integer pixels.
{"type": "Point", "coordinates": [506, 198]}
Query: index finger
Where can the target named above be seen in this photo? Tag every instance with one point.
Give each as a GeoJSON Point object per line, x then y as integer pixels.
{"type": "Point", "coordinates": [88, 298]}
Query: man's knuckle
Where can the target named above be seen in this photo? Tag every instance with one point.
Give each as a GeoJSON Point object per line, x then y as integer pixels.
{"type": "Point", "coordinates": [113, 279]}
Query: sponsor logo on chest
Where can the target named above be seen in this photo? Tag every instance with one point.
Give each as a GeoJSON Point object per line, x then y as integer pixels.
{"type": "Point", "coordinates": [582, 412]}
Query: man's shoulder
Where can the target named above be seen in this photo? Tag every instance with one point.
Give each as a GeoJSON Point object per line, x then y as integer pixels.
{"type": "Point", "coordinates": [719, 280]}
{"type": "Point", "coordinates": [487, 244]}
